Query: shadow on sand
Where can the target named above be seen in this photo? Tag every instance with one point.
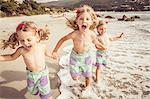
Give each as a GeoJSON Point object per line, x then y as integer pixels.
{"type": "Point", "coordinates": [10, 76]}
{"type": "Point", "coordinates": [9, 92]}
{"type": "Point", "coordinates": [55, 81]}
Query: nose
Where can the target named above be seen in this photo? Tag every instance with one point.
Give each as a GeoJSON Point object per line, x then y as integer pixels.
{"type": "Point", "coordinates": [84, 20]}
{"type": "Point", "coordinates": [25, 43]}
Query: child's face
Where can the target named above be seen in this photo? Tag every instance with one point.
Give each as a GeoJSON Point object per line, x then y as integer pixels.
{"type": "Point", "coordinates": [84, 21]}
{"type": "Point", "coordinates": [27, 39]}
{"type": "Point", "coordinates": [101, 30]}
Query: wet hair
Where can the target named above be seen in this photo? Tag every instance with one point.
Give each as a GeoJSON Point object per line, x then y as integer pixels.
{"type": "Point", "coordinates": [72, 22]}
{"type": "Point", "coordinates": [25, 26]}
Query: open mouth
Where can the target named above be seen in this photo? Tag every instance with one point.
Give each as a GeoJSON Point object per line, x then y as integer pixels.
{"type": "Point", "coordinates": [84, 27]}
{"type": "Point", "coordinates": [28, 47]}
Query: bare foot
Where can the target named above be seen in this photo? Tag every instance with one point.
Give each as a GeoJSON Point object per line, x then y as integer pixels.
{"type": "Point", "coordinates": [86, 91]}
{"type": "Point", "coordinates": [76, 91]}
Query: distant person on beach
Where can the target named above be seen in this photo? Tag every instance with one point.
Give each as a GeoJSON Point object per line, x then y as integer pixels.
{"type": "Point", "coordinates": [101, 55]}
{"type": "Point", "coordinates": [82, 37]}
{"type": "Point", "coordinates": [27, 38]}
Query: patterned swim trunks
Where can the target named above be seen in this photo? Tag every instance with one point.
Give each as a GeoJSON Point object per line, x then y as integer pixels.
{"type": "Point", "coordinates": [38, 83]}
{"type": "Point", "coordinates": [80, 64]}
{"type": "Point", "coordinates": [101, 58]}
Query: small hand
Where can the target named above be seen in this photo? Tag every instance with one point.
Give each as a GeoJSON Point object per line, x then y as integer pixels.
{"type": "Point", "coordinates": [121, 35]}
{"type": "Point", "coordinates": [54, 55]}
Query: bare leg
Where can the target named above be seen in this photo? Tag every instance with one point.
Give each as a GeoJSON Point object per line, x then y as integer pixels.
{"type": "Point", "coordinates": [75, 78]}
{"type": "Point", "coordinates": [98, 71]}
{"type": "Point", "coordinates": [46, 97]}
{"type": "Point", "coordinates": [88, 81]}
{"type": "Point", "coordinates": [87, 87]}
{"type": "Point", "coordinates": [50, 97]}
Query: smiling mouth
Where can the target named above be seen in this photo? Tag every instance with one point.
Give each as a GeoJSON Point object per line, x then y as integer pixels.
{"type": "Point", "coordinates": [28, 47]}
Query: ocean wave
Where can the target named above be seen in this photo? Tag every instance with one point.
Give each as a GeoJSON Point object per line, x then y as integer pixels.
{"type": "Point", "coordinates": [143, 27]}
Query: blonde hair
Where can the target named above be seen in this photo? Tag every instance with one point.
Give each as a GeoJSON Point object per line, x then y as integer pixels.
{"type": "Point", "coordinates": [72, 23]}
{"type": "Point", "coordinates": [13, 42]}
{"type": "Point", "coordinates": [101, 23]}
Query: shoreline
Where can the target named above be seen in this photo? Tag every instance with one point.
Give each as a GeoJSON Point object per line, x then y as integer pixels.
{"type": "Point", "coordinates": [36, 15]}
{"type": "Point", "coordinates": [73, 12]}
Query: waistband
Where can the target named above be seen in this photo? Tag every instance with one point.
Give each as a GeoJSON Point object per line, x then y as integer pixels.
{"type": "Point", "coordinates": [83, 53]}
{"type": "Point", "coordinates": [36, 72]}
{"type": "Point", "coordinates": [102, 51]}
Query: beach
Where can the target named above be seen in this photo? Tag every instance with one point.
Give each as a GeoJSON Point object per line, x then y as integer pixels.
{"type": "Point", "coordinates": [127, 75]}
{"type": "Point", "coordinates": [13, 73]}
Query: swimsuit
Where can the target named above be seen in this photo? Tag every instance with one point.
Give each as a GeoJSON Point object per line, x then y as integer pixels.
{"type": "Point", "coordinates": [38, 83]}
{"type": "Point", "coordinates": [101, 58]}
{"type": "Point", "coordinates": [80, 64]}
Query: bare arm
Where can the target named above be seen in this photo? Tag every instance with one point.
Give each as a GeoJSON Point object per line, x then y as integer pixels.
{"type": "Point", "coordinates": [116, 37]}
{"type": "Point", "coordinates": [10, 57]}
{"type": "Point", "coordinates": [98, 45]}
{"type": "Point", "coordinates": [60, 42]}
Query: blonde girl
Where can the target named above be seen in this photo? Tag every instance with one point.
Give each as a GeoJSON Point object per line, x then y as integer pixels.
{"type": "Point", "coordinates": [82, 37]}
{"type": "Point", "coordinates": [101, 54]}
{"type": "Point", "coordinates": [27, 39]}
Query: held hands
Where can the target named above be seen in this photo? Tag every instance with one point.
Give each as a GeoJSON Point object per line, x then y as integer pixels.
{"type": "Point", "coordinates": [54, 55]}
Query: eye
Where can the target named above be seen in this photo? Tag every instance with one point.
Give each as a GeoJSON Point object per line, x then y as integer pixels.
{"type": "Point", "coordinates": [28, 40]}
{"type": "Point", "coordinates": [87, 19]}
{"type": "Point", "coordinates": [81, 19]}
{"type": "Point", "coordinates": [21, 40]}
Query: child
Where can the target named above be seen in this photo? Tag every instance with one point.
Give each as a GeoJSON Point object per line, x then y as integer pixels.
{"type": "Point", "coordinates": [82, 37]}
{"type": "Point", "coordinates": [101, 55]}
{"type": "Point", "coordinates": [28, 35]}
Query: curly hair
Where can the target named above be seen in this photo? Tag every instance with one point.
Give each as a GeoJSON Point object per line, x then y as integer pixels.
{"type": "Point", "coordinates": [72, 22]}
{"type": "Point", "coordinates": [13, 42]}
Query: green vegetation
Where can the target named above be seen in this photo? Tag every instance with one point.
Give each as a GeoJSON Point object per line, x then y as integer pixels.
{"type": "Point", "coordinates": [27, 7]}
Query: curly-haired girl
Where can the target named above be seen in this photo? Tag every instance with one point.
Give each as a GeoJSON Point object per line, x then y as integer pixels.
{"type": "Point", "coordinates": [82, 37]}
{"type": "Point", "coordinates": [27, 38]}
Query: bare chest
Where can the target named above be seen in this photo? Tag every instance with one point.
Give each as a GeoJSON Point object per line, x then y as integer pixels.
{"type": "Point", "coordinates": [34, 57]}
{"type": "Point", "coordinates": [82, 40]}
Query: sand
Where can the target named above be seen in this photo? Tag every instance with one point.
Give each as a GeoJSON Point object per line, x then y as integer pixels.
{"type": "Point", "coordinates": [127, 75]}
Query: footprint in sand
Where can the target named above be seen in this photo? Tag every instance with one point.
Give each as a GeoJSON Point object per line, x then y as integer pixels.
{"type": "Point", "coordinates": [77, 89]}
{"type": "Point", "coordinates": [96, 89]}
